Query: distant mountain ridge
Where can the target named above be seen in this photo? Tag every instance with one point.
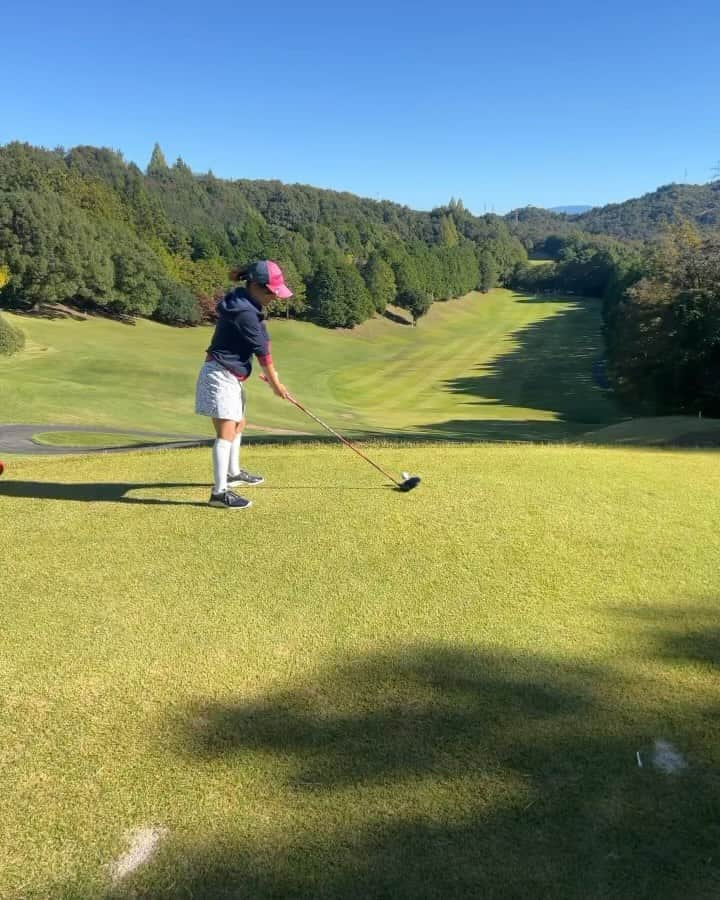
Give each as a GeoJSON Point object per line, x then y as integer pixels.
{"type": "Point", "coordinates": [640, 218]}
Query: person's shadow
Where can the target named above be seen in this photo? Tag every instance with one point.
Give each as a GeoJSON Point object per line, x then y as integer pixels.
{"type": "Point", "coordinates": [115, 491]}
{"type": "Point", "coordinates": [96, 492]}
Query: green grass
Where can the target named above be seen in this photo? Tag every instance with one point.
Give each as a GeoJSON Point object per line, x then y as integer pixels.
{"type": "Point", "coordinates": [660, 431]}
{"type": "Point", "coordinates": [88, 439]}
{"type": "Point", "coordinates": [491, 366]}
{"type": "Point", "coordinates": [348, 692]}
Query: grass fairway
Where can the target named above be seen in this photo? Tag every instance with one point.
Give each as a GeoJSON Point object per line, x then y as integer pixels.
{"type": "Point", "coordinates": [677, 431]}
{"type": "Point", "coordinates": [490, 366]}
{"type": "Point", "coordinates": [87, 439]}
{"type": "Point", "coordinates": [348, 692]}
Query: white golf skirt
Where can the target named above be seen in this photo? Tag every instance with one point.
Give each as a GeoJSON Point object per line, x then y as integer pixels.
{"type": "Point", "coordinates": [219, 394]}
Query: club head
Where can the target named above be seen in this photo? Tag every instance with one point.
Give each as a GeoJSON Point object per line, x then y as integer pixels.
{"type": "Point", "coordinates": [409, 483]}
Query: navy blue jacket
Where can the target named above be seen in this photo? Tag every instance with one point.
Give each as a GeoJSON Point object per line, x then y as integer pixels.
{"type": "Point", "coordinates": [240, 333]}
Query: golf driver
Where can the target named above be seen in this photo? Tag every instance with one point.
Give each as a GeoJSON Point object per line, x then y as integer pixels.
{"type": "Point", "coordinates": [408, 481]}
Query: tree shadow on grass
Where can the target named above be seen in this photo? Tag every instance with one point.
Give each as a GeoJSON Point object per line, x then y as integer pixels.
{"type": "Point", "coordinates": [512, 431]}
{"type": "Point", "coordinates": [699, 646]}
{"type": "Point", "coordinates": [683, 633]}
{"type": "Point", "coordinates": [550, 368]}
{"type": "Point", "coordinates": [449, 772]}
{"type": "Point", "coordinates": [530, 431]}
{"type": "Point", "coordinates": [395, 317]}
{"type": "Point", "coordinates": [554, 297]}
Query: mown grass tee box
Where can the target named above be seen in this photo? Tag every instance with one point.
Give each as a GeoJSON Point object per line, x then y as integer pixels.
{"type": "Point", "coordinates": [354, 692]}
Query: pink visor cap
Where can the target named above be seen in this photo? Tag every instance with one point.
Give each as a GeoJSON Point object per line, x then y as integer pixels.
{"type": "Point", "coordinates": [269, 274]}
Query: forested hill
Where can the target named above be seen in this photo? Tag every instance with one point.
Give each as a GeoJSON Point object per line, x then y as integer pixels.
{"type": "Point", "coordinates": [86, 228]}
{"type": "Point", "coordinates": [641, 218]}
{"type": "Point", "coordinates": [644, 217]}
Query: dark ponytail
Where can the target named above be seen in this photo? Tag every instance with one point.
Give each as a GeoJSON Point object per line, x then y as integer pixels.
{"type": "Point", "coordinates": [239, 273]}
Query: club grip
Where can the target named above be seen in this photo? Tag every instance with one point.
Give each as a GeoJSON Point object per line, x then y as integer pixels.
{"type": "Point", "coordinates": [263, 377]}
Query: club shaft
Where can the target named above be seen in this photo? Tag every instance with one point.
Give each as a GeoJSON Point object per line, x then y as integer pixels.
{"type": "Point", "coordinates": [344, 440]}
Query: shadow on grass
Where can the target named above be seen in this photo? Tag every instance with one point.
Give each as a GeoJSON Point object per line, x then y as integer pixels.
{"type": "Point", "coordinates": [502, 431]}
{"type": "Point", "coordinates": [395, 317]}
{"type": "Point", "coordinates": [116, 492]}
{"type": "Point", "coordinates": [530, 431]}
{"type": "Point", "coordinates": [550, 368]}
{"type": "Point", "coordinates": [554, 297]}
{"type": "Point", "coordinates": [452, 431]}
{"type": "Point", "coordinates": [696, 646]}
{"type": "Point", "coordinates": [683, 634]}
{"type": "Point", "coordinates": [445, 772]}
{"type": "Point", "coordinates": [95, 492]}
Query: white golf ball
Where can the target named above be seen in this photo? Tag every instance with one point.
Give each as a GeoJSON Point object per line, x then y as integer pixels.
{"type": "Point", "coordinates": [405, 475]}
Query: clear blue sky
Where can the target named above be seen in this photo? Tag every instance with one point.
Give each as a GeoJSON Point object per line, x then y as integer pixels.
{"type": "Point", "coordinates": [503, 103]}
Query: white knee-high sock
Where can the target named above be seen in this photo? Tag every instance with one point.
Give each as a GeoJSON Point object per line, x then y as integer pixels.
{"type": "Point", "coordinates": [235, 454]}
{"type": "Point", "coordinates": [221, 461]}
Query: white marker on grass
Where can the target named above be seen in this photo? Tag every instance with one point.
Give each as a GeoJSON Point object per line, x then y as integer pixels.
{"type": "Point", "coordinates": [143, 844]}
{"type": "Point", "coordinates": [667, 759]}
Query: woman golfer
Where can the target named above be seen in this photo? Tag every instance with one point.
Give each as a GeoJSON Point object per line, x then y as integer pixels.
{"type": "Point", "coordinates": [240, 333]}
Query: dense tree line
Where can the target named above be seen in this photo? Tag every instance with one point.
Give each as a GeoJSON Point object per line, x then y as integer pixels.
{"type": "Point", "coordinates": [532, 225]}
{"type": "Point", "coordinates": [87, 229]}
{"type": "Point", "coordinates": [11, 339]}
{"type": "Point", "coordinates": [662, 325]}
{"type": "Point", "coordinates": [661, 312]}
{"type": "Point", "coordinates": [582, 264]}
